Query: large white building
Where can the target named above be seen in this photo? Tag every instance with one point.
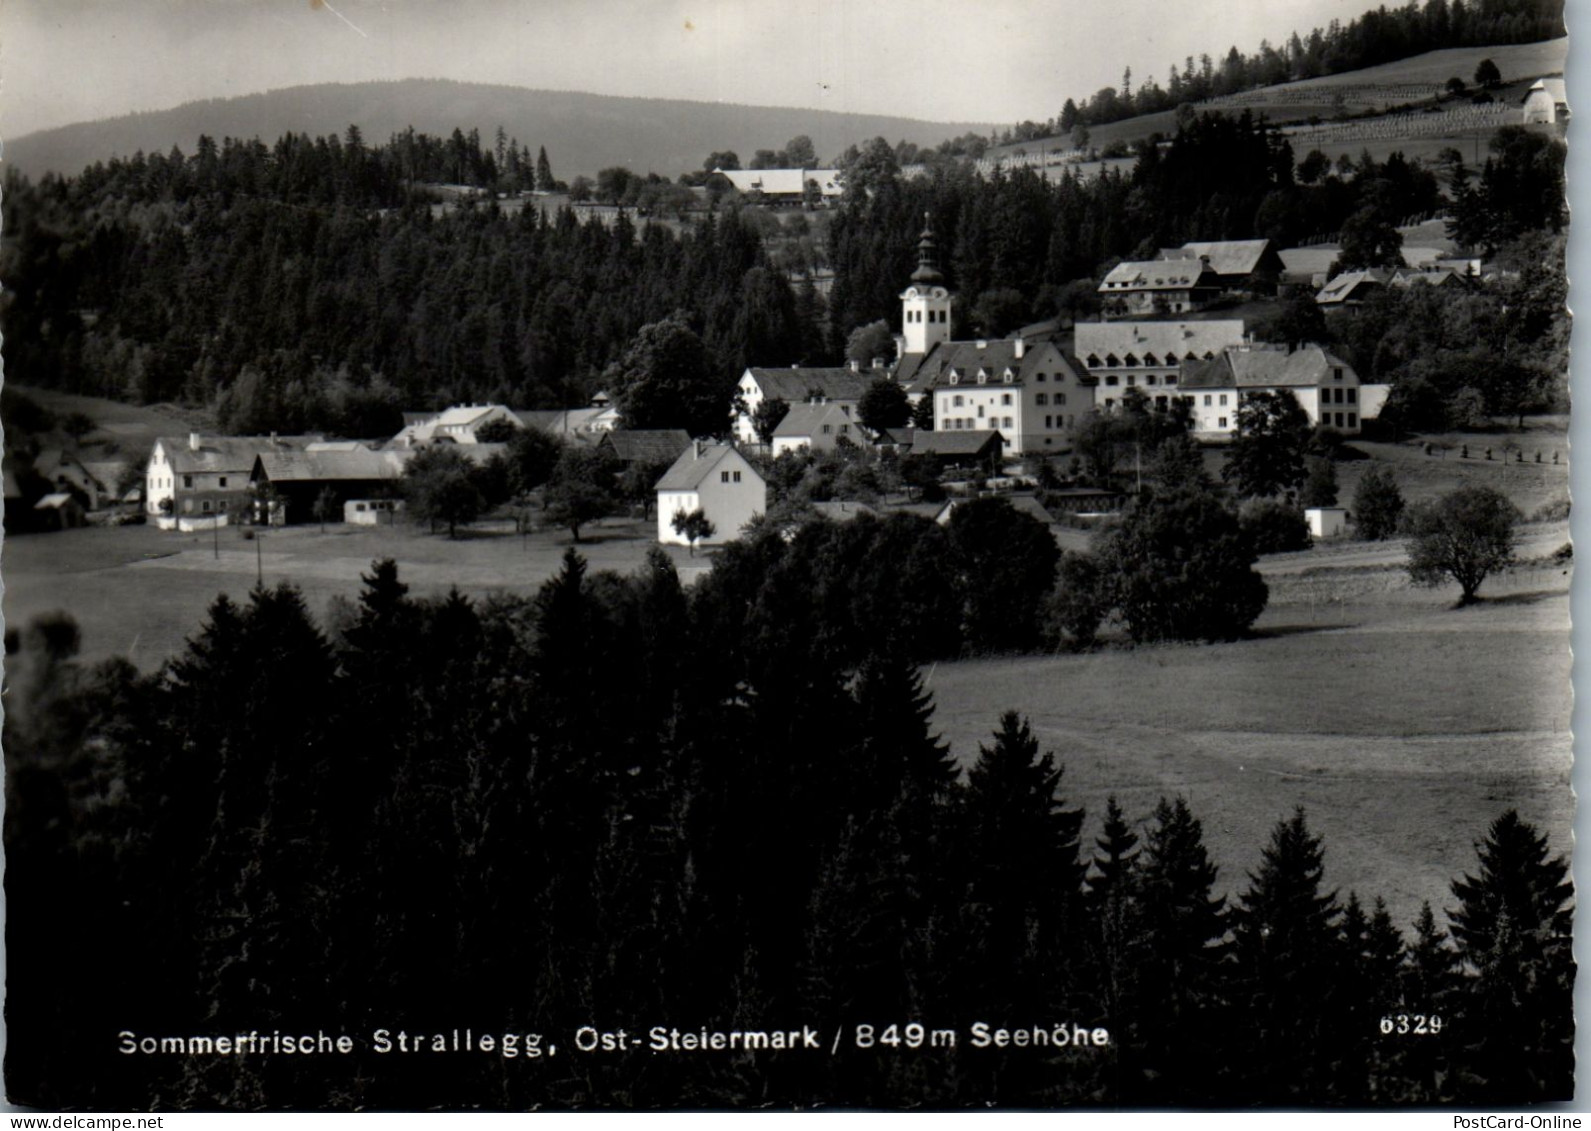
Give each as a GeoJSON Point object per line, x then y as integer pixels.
{"type": "Point", "coordinates": [1324, 385]}
{"type": "Point", "coordinates": [717, 480]}
{"type": "Point", "coordinates": [1148, 356]}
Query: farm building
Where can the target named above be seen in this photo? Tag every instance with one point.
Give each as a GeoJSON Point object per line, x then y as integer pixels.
{"type": "Point", "coordinates": [295, 481]}
{"type": "Point", "coordinates": [818, 427]}
{"type": "Point", "coordinates": [1352, 287]}
{"type": "Point", "coordinates": [190, 479]}
{"type": "Point", "coordinates": [974, 449]}
{"type": "Point", "coordinates": [717, 480]}
{"type": "Point", "coordinates": [1326, 522]}
{"type": "Point", "coordinates": [94, 487]}
{"type": "Point", "coordinates": [1545, 103]}
{"type": "Point", "coordinates": [59, 510]}
{"type": "Point", "coordinates": [1324, 385]}
{"type": "Point", "coordinates": [1238, 265]}
{"type": "Point", "coordinates": [372, 512]}
{"type": "Point", "coordinates": [785, 186]}
{"type": "Point", "coordinates": [632, 447]}
{"type": "Point", "coordinates": [1158, 286]}
{"type": "Point", "coordinates": [457, 425]}
{"type": "Point", "coordinates": [1148, 355]}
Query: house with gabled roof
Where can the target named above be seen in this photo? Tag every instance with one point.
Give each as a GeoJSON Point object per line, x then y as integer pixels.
{"type": "Point", "coordinates": [1237, 265]}
{"type": "Point", "coordinates": [717, 480]}
{"type": "Point", "coordinates": [1325, 386]}
{"type": "Point", "coordinates": [457, 425]}
{"type": "Point", "coordinates": [1136, 289]}
{"type": "Point", "coordinates": [817, 427]}
{"type": "Point", "coordinates": [632, 446]}
{"type": "Point", "coordinates": [1352, 288]}
{"type": "Point", "coordinates": [1031, 396]}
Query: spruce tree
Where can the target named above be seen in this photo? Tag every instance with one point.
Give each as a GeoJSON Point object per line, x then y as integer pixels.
{"type": "Point", "coordinates": [1286, 943]}
{"type": "Point", "coordinates": [1179, 984]}
{"type": "Point", "coordinates": [1513, 927]}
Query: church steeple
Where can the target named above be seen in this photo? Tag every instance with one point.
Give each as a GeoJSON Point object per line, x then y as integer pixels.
{"type": "Point", "coordinates": [927, 256]}
{"type": "Point", "coordinates": [925, 304]}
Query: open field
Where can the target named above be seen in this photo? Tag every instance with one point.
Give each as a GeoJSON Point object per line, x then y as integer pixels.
{"type": "Point", "coordinates": [140, 592]}
{"type": "Point", "coordinates": [1402, 725]}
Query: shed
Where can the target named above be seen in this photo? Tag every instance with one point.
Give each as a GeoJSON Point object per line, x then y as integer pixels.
{"type": "Point", "coordinates": [1326, 522]}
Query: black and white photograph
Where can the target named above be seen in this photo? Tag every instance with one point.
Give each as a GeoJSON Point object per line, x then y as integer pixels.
{"type": "Point", "coordinates": [836, 555]}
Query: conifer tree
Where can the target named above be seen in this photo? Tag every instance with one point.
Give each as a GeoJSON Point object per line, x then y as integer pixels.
{"type": "Point", "coordinates": [1286, 944]}
{"type": "Point", "coordinates": [1179, 984]}
{"type": "Point", "coordinates": [1513, 927]}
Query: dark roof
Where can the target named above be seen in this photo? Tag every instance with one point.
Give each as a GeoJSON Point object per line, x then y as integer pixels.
{"type": "Point", "coordinates": [1227, 257]}
{"type": "Point", "coordinates": [994, 356]}
{"type": "Point", "coordinates": [307, 467]}
{"type": "Point", "coordinates": [1260, 369]}
{"type": "Point", "coordinates": [969, 443]}
{"type": "Point", "coordinates": [797, 385]}
{"type": "Point", "coordinates": [650, 445]}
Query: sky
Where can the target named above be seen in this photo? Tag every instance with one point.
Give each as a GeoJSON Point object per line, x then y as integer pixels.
{"type": "Point", "coordinates": [985, 61]}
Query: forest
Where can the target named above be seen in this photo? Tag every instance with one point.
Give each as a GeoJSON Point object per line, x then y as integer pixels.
{"type": "Point", "coordinates": [623, 804]}
{"type": "Point", "coordinates": [274, 285]}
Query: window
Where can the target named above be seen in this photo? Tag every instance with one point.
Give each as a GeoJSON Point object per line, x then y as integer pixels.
{"type": "Point", "coordinates": [1093, 361]}
{"type": "Point", "coordinates": [723, 477]}
{"type": "Point", "coordinates": [1041, 400]}
{"type": "Point", "coordinates": [737, 476]}
{"type": "Point", "coordinates": [1150, 379]}
{"type": "Point", "coordinates": [1206, 400]}
{"type": "Point", "coordinates": [1171, 359]}
{"type": "Point", "coordinates": [1131, 380]}
{"type": "Point", "coordinates": [980, 410]}
{"type": "Point", "coordinates": [1220, 422]}
{"type": "Point", "coordinates": [1110, 402]}
{"type": "Point", "coordinates": [1110, 380]}
{"type": "Point", "coordinates": [1060, 398]}
{"type": "Point", "coordinates": [844, 428]}
{"type": "Point", "coordinates": [1047, 423]}
{"type": "Point", "coordinates": [1339, 420]}
{"type": "Point", "coordinates": [207, 506]}
{"type": "Point", "coordinates": [1149, 359]}
{"type": "Point", "coordinates": [360, 507]}
{"type": "Point", "coordinates": [1040, 379]}
{"type": "Point", "coordinates": [1008, 422]}
{"type": "Point", "coordinates": [1223, 400]}
{"type": "Point", "coordinates": [1353, 420]}
{"type": "Point", "coordinates": [223, 480]}
{"type": "Point", "coordinates": [1005, 398]}
{"type": "Point", "coordinates": [1110, 360]}
{"type": "Point", "coordinates": [827, 428]}
{"type": "Point", "coordinates": [1336, 374]}
{"type": "Point", "coordinates": [1131, 359]}
{"type": "Point", "coordinates": [221, 506]}
{"type": "Point", "coordinates": [955, 401]}
{"type": "Point", "coordinates": [187, 481]}
{"type": "Point", "coordinates": [954, 378]}
{"type": "Point", "coordinates": [1171, 378]}
{"type": "Point", "coordinates": [1352, 395]}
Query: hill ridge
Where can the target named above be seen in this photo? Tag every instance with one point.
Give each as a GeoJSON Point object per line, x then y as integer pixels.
{"type": "Point", "coordinates": [581, 131]}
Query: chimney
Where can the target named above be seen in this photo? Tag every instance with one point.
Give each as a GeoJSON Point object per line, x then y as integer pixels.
{"type": "Point", "coordinates": [878, 363]}
{"type": "Point", "coordinates": [983, 343]}
{"type": "Point", "coordinates": [1019, 347]}
{"type": "Point", "coordinates": [900, 346]}
{"type": "Point", "coordinates": [700, 448]}
{"type": "Point", "coordinates": [855, 366]}
{"type": "Point", "coordinates": [193, 441]}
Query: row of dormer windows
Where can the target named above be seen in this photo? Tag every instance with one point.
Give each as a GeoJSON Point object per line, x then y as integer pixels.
{"type": "Point", "coordinates": [1131, 361]}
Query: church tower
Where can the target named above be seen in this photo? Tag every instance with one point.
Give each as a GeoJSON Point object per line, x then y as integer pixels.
{"type": "Point", "coordinates": [925, 303]}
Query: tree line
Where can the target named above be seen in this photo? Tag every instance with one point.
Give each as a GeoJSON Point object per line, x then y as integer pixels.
{"type": "Point", "coordinates": [1380, 35]}
{"type": "Point", "coordinates": [623, 804]}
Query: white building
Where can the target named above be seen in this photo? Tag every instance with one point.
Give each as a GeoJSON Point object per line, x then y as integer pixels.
{"type": "Point", "coordinates": [1546, 102]}
{"type": "Point", "coordinates": [818, 427]}
{"type": "Point", "coordinates": [1030, 395]}
{"type": "Point", "coordinates": [719, 481]}
{"type": "Point", "coordinates": [1324, 385]}
{"type": "Point", "coordinates": [832, 384]}
{"type": "Point", "coordinates": [1326, 522]}
{"type": "Point", "coordinates": [1133, 289]}
{"type": "Point", "coordinates": [1148, 356]}
{"type": "Point", "coordinates": [456, 425]}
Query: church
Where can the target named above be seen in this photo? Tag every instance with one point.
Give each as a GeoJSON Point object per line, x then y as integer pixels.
{"type": "Point", "coordinates": [1031, 394]}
